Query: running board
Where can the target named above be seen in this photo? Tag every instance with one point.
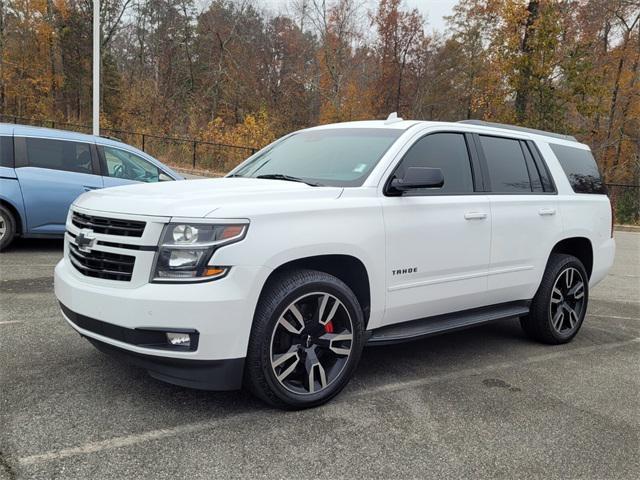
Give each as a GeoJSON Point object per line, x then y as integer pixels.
{"type": "Point", "coordinates": [425, 327]}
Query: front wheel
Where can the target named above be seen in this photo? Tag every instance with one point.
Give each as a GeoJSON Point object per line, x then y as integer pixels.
{"type": "Point", "coordinates": [560, 305]}
{"type": "Point", "coordinates": [306, 340]}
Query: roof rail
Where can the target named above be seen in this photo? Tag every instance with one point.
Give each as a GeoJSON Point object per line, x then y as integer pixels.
{"type": "Point", "coordinates": [519, 129]}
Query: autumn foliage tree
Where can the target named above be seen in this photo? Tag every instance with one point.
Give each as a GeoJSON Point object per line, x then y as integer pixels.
{"type": "Point", "coordinates": [231, 71]}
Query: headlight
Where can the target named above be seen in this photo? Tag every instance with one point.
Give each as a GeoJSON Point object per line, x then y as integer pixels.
{"type": "Point", "coordinates": [185, 250]}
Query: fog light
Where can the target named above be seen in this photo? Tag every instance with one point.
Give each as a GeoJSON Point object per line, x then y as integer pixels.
{"type": "Point", "coordinates": [179, 339]}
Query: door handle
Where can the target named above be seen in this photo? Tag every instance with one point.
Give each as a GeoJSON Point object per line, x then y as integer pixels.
{"type": "Point", "coordinates": [475, 215]}
{"type": "Point", "coordinates": [88, 188]}
{"type": "Point", "coordinates": [547, 211]}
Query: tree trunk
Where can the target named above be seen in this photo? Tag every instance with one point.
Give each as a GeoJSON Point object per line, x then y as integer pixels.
{"type": "Point", "coordinates": [52, 57]}
{"type": "Point", "coordinates": [627, 104]}
{"type": "Point", "coordinates": [3, 98]}
{"type": "Point", "coordinates": [522, 90]}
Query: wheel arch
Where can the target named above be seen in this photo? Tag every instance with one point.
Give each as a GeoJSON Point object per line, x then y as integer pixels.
{"type": "Point", "coordinates": [16, 215]}
{"type": "Point", "coordinates": [348, 268]}
{"type": "Point", "coordinates": [579, 247]}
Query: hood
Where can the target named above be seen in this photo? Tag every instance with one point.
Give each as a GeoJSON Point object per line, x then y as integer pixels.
{"type": "Point", "coordinates": [198, 198]}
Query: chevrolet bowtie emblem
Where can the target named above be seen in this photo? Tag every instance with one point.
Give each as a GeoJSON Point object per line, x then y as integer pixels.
{"type": "Point", "coordinates": [85, 240]}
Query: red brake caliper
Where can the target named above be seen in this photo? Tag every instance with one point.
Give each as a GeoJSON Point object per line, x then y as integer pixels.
{"type": "Point", "coordinates": [328, 327]}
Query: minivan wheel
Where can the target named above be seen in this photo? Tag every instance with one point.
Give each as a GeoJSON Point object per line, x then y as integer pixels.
{"type": "Point", "coordinates": [306, 340]}
{"type": "Point", "coordinates": [7, 227]}
{"type": "Point", "coordinates": [560, 305]}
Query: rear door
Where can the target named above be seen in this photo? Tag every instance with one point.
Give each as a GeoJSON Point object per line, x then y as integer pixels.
{"type": "Point", "coordinates": [438, 239]}
{"type": "Point", "coordinates": [526, 222]}
{"type": "Point", "coordinates": [52, 174]}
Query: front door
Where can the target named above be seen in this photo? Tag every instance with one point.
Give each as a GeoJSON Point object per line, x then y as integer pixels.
{"type": "Point", "coordinates": [438, 240]}
{"type": "Point", "coordinates": [52, 174]}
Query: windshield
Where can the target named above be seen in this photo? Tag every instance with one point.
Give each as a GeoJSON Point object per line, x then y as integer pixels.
{"type": "Point", "coordinates": [340, 157]}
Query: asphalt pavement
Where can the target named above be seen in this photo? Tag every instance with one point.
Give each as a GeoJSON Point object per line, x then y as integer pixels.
{"type": "Point", "coordinates": [481, 403]}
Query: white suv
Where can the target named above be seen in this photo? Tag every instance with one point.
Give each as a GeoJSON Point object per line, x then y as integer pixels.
{"type": "Point", "coordinates": [332, 238]}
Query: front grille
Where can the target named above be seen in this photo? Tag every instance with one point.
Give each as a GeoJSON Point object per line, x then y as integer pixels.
{"type": "Point", "coordinates": [108, 226]}
{"type": "Point", "coordinates": [110, 266]}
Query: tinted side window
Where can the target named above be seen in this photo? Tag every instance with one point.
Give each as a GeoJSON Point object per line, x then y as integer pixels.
{"type": "Point", "coordinates": [6, 152]}
{"type": "Point", "coordinates": [543, 171]}
{"type": "Point", "coordinates": [122, 164]}
{"type": "Point", "coordinates": [446, 151]}
{"type": "Point", "coordinates": [506, 164]}
{"type": "Point", "coordinates": [534, 172]}
{"type": "Point", "coordinates": [581, 169]}
{"type": "Point", "coordinates": [59, 155]}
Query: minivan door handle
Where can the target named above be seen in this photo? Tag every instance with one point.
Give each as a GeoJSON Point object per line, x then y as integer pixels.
{"type": "Point", "coordinates": [88, 188]}
{"type": "Point", "coordinates": [475, 215]}
{"type": "Point", "coordinates": [547, 211]}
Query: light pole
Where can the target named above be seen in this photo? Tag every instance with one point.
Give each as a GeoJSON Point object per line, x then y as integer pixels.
{"type": "Point", "coordinates": [96, 67]}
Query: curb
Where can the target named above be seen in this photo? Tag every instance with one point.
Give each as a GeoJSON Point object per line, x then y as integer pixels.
{"type": "Point", "coordinates": [627, 228]}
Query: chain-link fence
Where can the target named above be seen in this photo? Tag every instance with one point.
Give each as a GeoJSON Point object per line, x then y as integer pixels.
{"type": "Point", "coordinates": [178, 152]}
{"type": "Point", "coordinates": [626, 202]}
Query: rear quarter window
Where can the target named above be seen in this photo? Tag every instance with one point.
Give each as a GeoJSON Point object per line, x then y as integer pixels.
{"type": "Point", "coordinates": [6, 152]}
{"type": "Point", "coordinates": [580, 168]}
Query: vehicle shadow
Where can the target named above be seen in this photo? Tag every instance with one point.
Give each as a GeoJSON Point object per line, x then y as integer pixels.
{"type": "Point", "coordinates": [35, 245]}
{"type": "Point", "coordinates": [443, 354]}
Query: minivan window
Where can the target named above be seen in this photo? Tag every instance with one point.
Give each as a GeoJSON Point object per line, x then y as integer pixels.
{"type": "Point", "coordinates": [59, 155]}
{"type": "Point", "coordinates": [6, 151]}
{"type": "Point", "coordinates": [127, 165]}
{"type": "Point", "coordinates": [506, 164]}
{"type": "Point", "coordinates": [340, 157]}
{"type": "Point", "coordinates": [580, 168]}
{"type": "Point", "coordinates": [446, 151]}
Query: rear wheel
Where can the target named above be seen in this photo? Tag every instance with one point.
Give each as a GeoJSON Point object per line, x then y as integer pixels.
{"type": "Point", "coordinates": [306, 340]}
{"type": "Point", "coordinates": [559, 307]}
{"type": "Point", "coordinates": [7, 227]}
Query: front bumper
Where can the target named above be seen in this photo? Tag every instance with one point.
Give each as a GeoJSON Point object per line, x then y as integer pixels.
{"type": "Point", "coordinates": [201, 374]}
{"type": "Point", "coordinates": [220, 311]}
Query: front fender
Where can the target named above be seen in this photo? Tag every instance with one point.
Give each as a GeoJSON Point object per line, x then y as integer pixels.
{"type": "Point", "coordinates": [11, 194]}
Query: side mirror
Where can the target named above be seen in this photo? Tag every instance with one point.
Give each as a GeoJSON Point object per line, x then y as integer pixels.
{"type": "Point", "coordinates": [418, 177]}
{"type": "Point", "coordinates": [163, 177]}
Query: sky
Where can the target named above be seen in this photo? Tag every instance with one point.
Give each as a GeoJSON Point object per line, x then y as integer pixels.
{"type": "Point", "coordinates": [433, 10]}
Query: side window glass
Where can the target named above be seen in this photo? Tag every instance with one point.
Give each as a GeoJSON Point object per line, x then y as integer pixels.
{"type": "Point", "coordinates": [506, 164]}
{"type": "Point", "coordinates": [59, 155]}
{"type": "Point", "coordinates": [534, 172]}
{"type": "Point", "coordinates": [446, 151]}
{"type": "Point", "coordinates": [126, 165]}
{"type": "Point", "coordinates": [545, 176]}
{"type": "Point", "coordinates": [6, 152]}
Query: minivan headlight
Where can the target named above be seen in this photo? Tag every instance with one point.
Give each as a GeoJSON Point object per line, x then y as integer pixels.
{"type": "Point", "coordinates": [186, 248]}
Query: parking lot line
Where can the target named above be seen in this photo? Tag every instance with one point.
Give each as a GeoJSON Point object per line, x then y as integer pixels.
{"type": "Point", "coordinates": [612, 316]}
{"type": "Point", "coordinates": [10, 322]}
{"type": "Point", "coordinates": [128, 440]}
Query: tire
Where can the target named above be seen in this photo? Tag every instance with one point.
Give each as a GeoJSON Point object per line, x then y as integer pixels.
{"type": "Point", "coordinates": [301, 356]}
{"type": "Point", "coordinates": [560, 305]}
{"type": "Point", "coordinates": [7, 227]}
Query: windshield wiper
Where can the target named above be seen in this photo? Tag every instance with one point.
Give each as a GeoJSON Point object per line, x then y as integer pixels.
{"type": "Point", "coordinates": [289, 178]}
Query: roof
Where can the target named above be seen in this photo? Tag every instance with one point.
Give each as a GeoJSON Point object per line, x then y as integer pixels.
{"type": "Point", "coordinates": [519, 129]}
{"type": "Point", "coordinates": [488, 127]}
{"type": "Point", "coordinates": [397, 125]}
